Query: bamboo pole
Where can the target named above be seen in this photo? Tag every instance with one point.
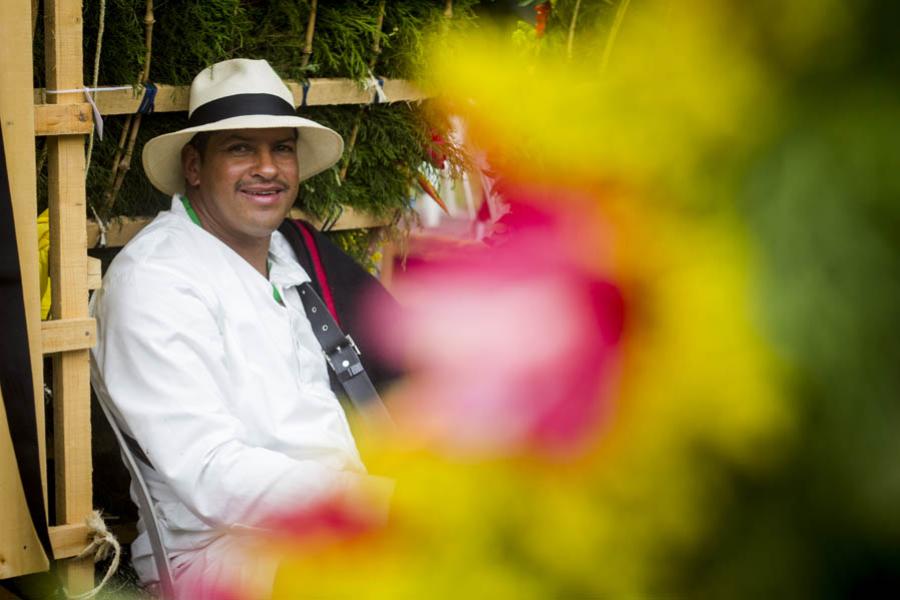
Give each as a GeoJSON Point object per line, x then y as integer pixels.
{"type": "Point", "coordinates": [376, 51]}
{"type": "Point", "coordinates": [613, 33]}
{"type": "Point", "coordinates": [310, 32]}
{"type": "Point", "coordinates": [122, 161]}
{"type": "Point", "coordinates": [20, 550]}
{"type": "Point", "coordinates": [571, 41]}
{"type": "Point", "coordinates": [68, 271]}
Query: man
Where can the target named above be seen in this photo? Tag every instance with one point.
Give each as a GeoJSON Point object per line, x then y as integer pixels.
{"type": "Point", "coordinates": [204, 350]}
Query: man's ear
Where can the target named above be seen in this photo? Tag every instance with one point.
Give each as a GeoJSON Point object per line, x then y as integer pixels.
{"type": "Point", "coordinates": [190, 165]}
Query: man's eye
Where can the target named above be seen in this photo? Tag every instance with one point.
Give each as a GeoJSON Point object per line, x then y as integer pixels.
{"type": "Point", "coordinates": [239, 148]}
{"type": "Point", "coordinates": [285, 148]}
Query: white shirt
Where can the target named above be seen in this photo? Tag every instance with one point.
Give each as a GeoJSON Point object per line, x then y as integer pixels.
{"type": "Point", "coordinates": [224, 389]}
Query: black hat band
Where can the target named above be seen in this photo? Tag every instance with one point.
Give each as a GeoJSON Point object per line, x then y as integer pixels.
{"type": "Point", "coordinates": [240, 105]}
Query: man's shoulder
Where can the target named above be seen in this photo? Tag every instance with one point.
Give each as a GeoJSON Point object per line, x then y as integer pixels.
{"type": "Point", "coordinates": [164, 248]}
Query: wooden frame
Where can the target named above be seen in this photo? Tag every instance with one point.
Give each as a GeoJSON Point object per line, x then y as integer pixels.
{"type": "Point", "coordinates": [71, 333]}
{"type": "Point", "coordinates": [68, 275]}
{"type": "Point", "coordinates": [76, 118]}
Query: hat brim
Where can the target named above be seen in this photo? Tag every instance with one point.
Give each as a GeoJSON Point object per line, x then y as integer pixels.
{"type": "Point", "coordinates": [318, 148]}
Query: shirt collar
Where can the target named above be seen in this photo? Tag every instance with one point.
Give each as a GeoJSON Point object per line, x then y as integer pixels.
{"type": "Point", "coordinates": [284, 270]}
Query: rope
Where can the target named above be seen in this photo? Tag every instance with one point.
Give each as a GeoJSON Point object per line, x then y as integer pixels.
{"type": "Point", "coordinates": [112, 88]}
{"type": "Point", "coordinates": [102, 225]}
{"type": "Point", "coordinates": [100, 29]}
{"type": "Point", "coordinates": [103, 542]}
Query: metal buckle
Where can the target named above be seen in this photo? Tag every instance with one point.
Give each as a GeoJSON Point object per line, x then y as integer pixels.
{"type": "Point", "coordinates": [344, 359]}
{"type": "Point", "coordinates": [353, 343]}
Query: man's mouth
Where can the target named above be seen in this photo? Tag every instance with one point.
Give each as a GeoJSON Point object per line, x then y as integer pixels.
{"type": "Point", "coordinates": [262, 195]}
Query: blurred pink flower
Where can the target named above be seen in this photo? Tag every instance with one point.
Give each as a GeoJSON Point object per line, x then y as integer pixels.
{"type": "Point", "coordinates": [511, 347]}
{"type": "Point", "coordinates": [337, 518]}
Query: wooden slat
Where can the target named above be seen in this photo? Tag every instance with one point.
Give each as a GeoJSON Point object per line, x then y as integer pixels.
{"type": "Point", "coordinates": [322, 92]}
{"type": "Point", "coordinates": [120, 231]}
{"type": "Point", "coordinates": [69, 540]}
{"type": "Point", "coordinates": [94, 275]}
{"type": "Point", "coordinates": [20, 551]}
{"type": "Point", "coordinates": [63, 119]}
{"type": "Point", "coordinates": [68, 272]}
{"type": "Point", "coordinates": [68, 335]}
{"type": "Point", "coordinates": [349, 219]}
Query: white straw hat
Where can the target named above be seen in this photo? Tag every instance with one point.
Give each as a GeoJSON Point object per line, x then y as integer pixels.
{"type": "Point", "coordinates": [239, 94]}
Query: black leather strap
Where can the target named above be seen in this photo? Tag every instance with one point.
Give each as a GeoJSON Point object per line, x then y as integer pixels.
{"type": "Point", "coordinates": [342, 356]}
{"type": "Point", "coordinates": [15, 365]}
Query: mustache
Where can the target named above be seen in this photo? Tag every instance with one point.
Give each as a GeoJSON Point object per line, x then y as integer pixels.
{"type": "Point", "coordinates": [240, 185]}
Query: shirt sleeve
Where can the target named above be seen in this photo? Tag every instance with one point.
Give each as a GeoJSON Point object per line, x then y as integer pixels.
{"type": "Point", "coordinates": [160, 360]}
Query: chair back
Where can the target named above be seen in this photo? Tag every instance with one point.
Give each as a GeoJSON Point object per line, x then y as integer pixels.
{"type": "Point", "coordinates": [145, 506]}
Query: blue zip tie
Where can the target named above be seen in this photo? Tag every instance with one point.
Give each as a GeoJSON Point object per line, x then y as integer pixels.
{"type": "Point", "coordinates": [375, 100]}
{"type": "Point", "coordinates": [148, 102]}
{"type": "Point", "coordinates": [305, 92]}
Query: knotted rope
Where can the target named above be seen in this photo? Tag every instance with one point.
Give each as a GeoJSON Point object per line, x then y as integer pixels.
{"type": "Point", "coordinates": [103, 543]}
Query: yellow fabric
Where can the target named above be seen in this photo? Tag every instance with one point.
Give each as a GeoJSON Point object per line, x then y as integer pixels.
{"type": "Point", "coordinates": [43, 227]}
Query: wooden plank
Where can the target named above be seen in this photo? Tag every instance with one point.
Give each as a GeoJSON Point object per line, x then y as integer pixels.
{"type": "Point", "coordinates": [94, 275]}
{"type": "Point", "coordinates": [63, 119]}
{"type": "Point", "coordinates": [68, 272]}
{"type": "Point", "coordinates": [324, 92]}
{"type": "Point", "coordinates": [68, 335]}
{"type": "Point", "coordinates": [350, 219]}
{"type": "Point", "coordinates": [69, 540]}
{"type": "Point", "coordinates": [119, 231]}
{"type": "Point", "coordinates": [20, 550]}
{"type": "Point", "coordinates": [169, 98]}
{"type": "Point", "coordinates": [174, 98]}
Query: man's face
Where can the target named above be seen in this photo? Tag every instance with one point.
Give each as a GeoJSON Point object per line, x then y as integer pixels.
{"type": "Point", "coordinates": [244, 183]}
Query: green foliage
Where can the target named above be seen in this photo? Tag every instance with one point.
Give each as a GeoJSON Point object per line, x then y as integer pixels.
{"type": "Point", "coordinates": [358, 244]}
{"type": "Point", "coordinates": [821, 201]}
{"type": "Point", "coordinates": [189, 35]}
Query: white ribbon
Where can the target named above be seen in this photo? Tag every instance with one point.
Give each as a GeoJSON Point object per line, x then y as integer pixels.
{"type": "Point", "coordinates": [98, 119]}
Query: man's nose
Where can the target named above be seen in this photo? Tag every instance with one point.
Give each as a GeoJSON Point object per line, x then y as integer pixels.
{"type": "Point", "coordinates": [265, 163]}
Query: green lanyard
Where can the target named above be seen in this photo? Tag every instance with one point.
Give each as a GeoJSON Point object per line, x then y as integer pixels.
{"type": "Point", "coordinates": [193, 215]}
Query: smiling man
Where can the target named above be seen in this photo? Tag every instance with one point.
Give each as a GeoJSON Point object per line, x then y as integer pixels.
{"type": "Point", "coordinates": [204, 350]}
{"type": "Point", "coordinates": [241, 183]}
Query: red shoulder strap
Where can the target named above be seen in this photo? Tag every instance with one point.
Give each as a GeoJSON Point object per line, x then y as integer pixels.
{"type": "Point", "coordinates": [318, 268]}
